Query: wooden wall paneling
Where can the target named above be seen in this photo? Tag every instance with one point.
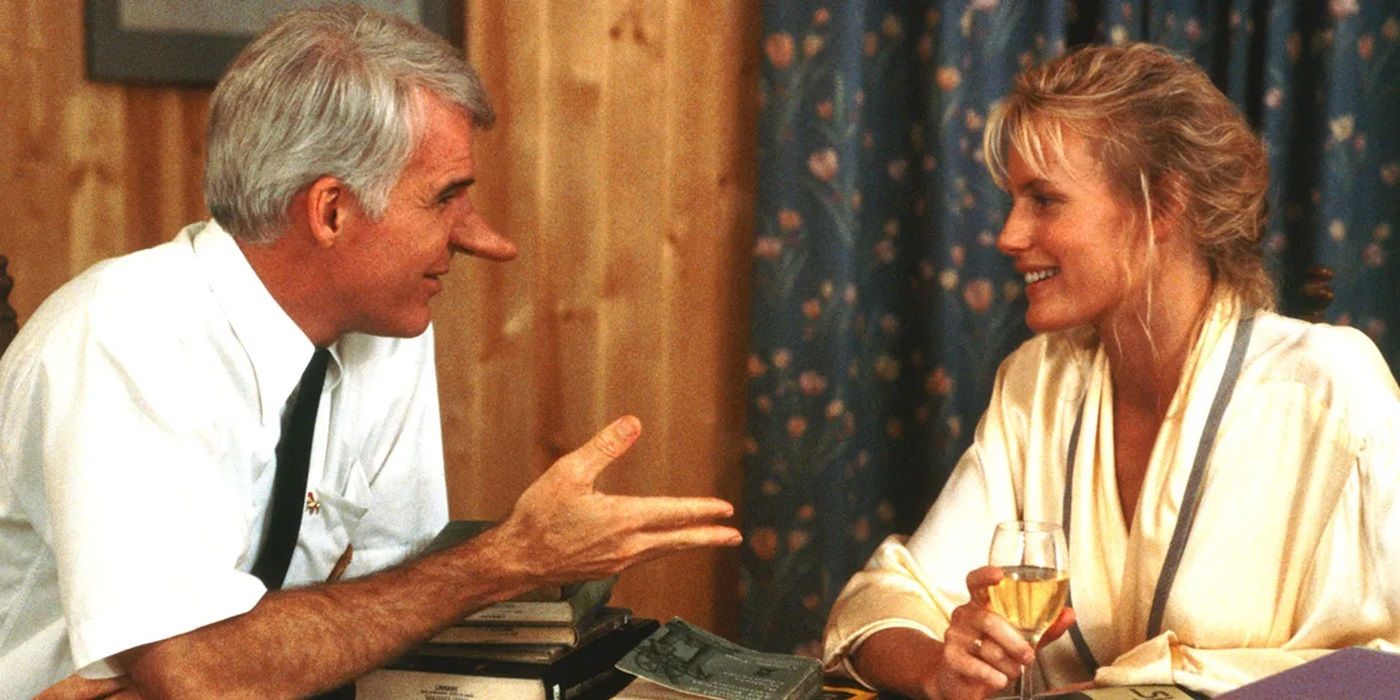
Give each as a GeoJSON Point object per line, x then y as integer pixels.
{"type": "Point", "coordinates": [92, 163]}
{"type": "Point", "coordinates": [623, 167]}
{"type": "Point", "coordinates": [710, 222]}
{"type": "Point", "coordinates": [575, 199]}
{"type": "Point", "coordinates": [92, 170]}
{"type": "Point", "coordinates": [493, 335]}
{"type": "Point", "coordinates": [164, 150]}
{"type": "Point", "coordinates": [36, 74]}
{"type": "Point", "coordinates": [193, 118]}
{"type": "Point", "coordinates": [639, 274]}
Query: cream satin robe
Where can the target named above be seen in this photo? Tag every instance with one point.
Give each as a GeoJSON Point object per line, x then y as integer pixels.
{"type": "Point", "coordinates": [1295, 548]}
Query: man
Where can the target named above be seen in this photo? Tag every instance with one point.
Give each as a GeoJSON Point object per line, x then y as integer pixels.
{"type": "Point", "coordinates": [146, 404]}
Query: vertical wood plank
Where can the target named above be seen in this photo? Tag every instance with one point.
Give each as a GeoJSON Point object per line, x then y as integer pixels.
{"type": "Point", "coordinates": [488, 317]}
{"type": "Point", "coordinates": [639, 268]}
{"type": "Point", "coordinates": [637, 139]}
{"type": "Point", "coordinates": [576, 205]}
{"type": "Point", "coordinates": [708, 226]}
{"type": "Point", "coordinates": [89, 173]}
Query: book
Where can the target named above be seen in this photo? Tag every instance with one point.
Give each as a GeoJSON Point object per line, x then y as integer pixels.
{"type": "Point", "coordinates": [1126, 692]}
{"type": "Point", "coordinates": [532, 633]}
{"type": "Point", "coordinates": [519, 653]}
{"type": "Point", "coordinates": [838, 688]}
{"type": "Point", "coordinates": [1355, 672]}
{"type": "Point", "coordinates": [584, 600]}
{"type": "Point", "coordinates": [683, 657]}
{"type": "Point", "coordinates": [643, 689]}
{"type": "Point", "coordinates": [456, 532]}
{"type": "Point", "coordinates": [586, 673]}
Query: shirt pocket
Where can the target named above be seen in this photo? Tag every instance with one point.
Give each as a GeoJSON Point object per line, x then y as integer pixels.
{"type": "Point", "coordinates": [328, 524]}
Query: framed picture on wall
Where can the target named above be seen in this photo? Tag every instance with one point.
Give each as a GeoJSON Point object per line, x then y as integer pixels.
{"type": "Point", "coordinates": [191, 42]}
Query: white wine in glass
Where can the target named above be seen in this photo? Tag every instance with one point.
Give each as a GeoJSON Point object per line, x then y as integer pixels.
{"type": "Point", "coordinates": [1034, 561]}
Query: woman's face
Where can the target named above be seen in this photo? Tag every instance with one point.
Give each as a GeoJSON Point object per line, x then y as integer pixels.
{"type": "Point", "coordinates": [1071, 239]}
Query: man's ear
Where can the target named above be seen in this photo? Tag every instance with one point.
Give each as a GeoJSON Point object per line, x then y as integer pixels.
{"type": "Point", "coordinates": [327, 200]}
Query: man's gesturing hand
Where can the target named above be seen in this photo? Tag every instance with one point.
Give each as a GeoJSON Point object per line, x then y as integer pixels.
{"type": "Point", "coordinates": [566, 530]}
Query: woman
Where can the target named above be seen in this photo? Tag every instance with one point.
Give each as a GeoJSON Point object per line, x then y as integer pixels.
{"type": "Point", "coordinates": [1137, 206]}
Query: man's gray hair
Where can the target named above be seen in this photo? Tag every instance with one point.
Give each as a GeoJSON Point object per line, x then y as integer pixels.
{"type": "Point", "coordinates": [330, 91]}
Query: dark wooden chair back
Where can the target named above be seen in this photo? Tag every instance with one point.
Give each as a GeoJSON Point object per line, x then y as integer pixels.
{"type": "Point", "coordinates": [1315, 294]}
{"type": "Point", "coordinates": [9, 324]}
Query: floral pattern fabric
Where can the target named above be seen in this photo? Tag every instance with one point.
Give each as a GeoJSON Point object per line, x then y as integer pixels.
{"type": "Point", "coordinates": [881, 307]}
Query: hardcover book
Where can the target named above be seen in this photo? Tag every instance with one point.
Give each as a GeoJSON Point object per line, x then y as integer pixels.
{"type": "Point", "coordinates": [519, 653]}
{"type": "Point", "coordinates": [586, 673]}
{"type": "Point", "coordinates": [583, 601]}
{"type": "Point", "coordinates": [1126, 692]}
{"type": "Point", "coordinates": [533, 633]}
{"type": "Point", "coordinates": [1346, 674]}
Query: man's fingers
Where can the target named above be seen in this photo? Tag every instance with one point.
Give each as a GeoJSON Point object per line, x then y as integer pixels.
{"type": "Point", "coordinates": [656, 544]}
{"type": "Point", "coordinates": [644, 546]}
{"type": "Point", "coordinates": [665, 512]}
{"type": "Point", "coordinates": [604, 447]}
{"type": "Point", "coordinates": [676, 539]}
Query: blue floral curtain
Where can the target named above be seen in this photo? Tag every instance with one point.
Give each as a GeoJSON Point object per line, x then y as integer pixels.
{"type": "Point", "coordinates": [881, 307]}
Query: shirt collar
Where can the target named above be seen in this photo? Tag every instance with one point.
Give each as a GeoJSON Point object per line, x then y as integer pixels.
{"type": "Point", "coordinates": [276, 347]}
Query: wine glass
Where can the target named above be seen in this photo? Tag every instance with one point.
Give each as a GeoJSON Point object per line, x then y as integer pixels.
{"type": "Point", "coordinates": [1034, 560]}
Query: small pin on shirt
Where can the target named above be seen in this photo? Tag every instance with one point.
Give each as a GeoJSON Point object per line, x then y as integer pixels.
{"type": "Point", "coordinates": [313, 506]}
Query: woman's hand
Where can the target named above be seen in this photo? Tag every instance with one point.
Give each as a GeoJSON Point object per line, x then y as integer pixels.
{"type": "Point", "coordinates": [982, 653]}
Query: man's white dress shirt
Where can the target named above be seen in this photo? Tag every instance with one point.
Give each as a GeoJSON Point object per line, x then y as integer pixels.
{"type": "Point", "coordinates": [140, 410]}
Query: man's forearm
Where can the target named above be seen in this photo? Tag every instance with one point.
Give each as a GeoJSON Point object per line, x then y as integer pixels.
{"type": "Point", "coordinates": [561, 529]}
{"type": "Point", "coordinates": [301, 641]}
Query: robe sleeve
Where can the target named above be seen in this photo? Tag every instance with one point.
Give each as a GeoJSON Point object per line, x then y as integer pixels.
{"type": "Point", "coordinates": [916, 583]}
{"type": "Point", "coordinates": [890, 592]}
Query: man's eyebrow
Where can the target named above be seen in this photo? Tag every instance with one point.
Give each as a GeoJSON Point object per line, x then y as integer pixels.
{"type": "Point", "coordinates": [455, 186]}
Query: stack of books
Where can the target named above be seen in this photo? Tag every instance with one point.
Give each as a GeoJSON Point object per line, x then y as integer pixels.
{"type": "Point", "coordinates": [585, 672]}
{"type": "Point", "coordinates": [538, 626]}
{"type": "Point", "coordinates": [551, 642]}
{"type": "Point", "coordinates": [532, 628]}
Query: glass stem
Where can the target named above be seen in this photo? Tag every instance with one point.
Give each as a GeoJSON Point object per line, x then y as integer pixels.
{"type": "Point", "coordinates": [1028, 681]}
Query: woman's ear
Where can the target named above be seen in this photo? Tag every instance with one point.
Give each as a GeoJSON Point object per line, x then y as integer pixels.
{"type": "Point", "coordinates": [1168, 206]}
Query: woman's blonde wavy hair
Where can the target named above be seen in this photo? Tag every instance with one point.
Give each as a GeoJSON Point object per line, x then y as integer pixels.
{"type": "Point", "coordinates": [1163, 134]}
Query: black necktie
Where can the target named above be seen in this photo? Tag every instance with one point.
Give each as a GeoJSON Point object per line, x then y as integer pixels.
{"type": "Point", "coordinates": [289, 484]}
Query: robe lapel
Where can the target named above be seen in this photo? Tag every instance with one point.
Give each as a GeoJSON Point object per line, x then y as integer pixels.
{"type": "Point", "coordinates": [1115, 564]}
